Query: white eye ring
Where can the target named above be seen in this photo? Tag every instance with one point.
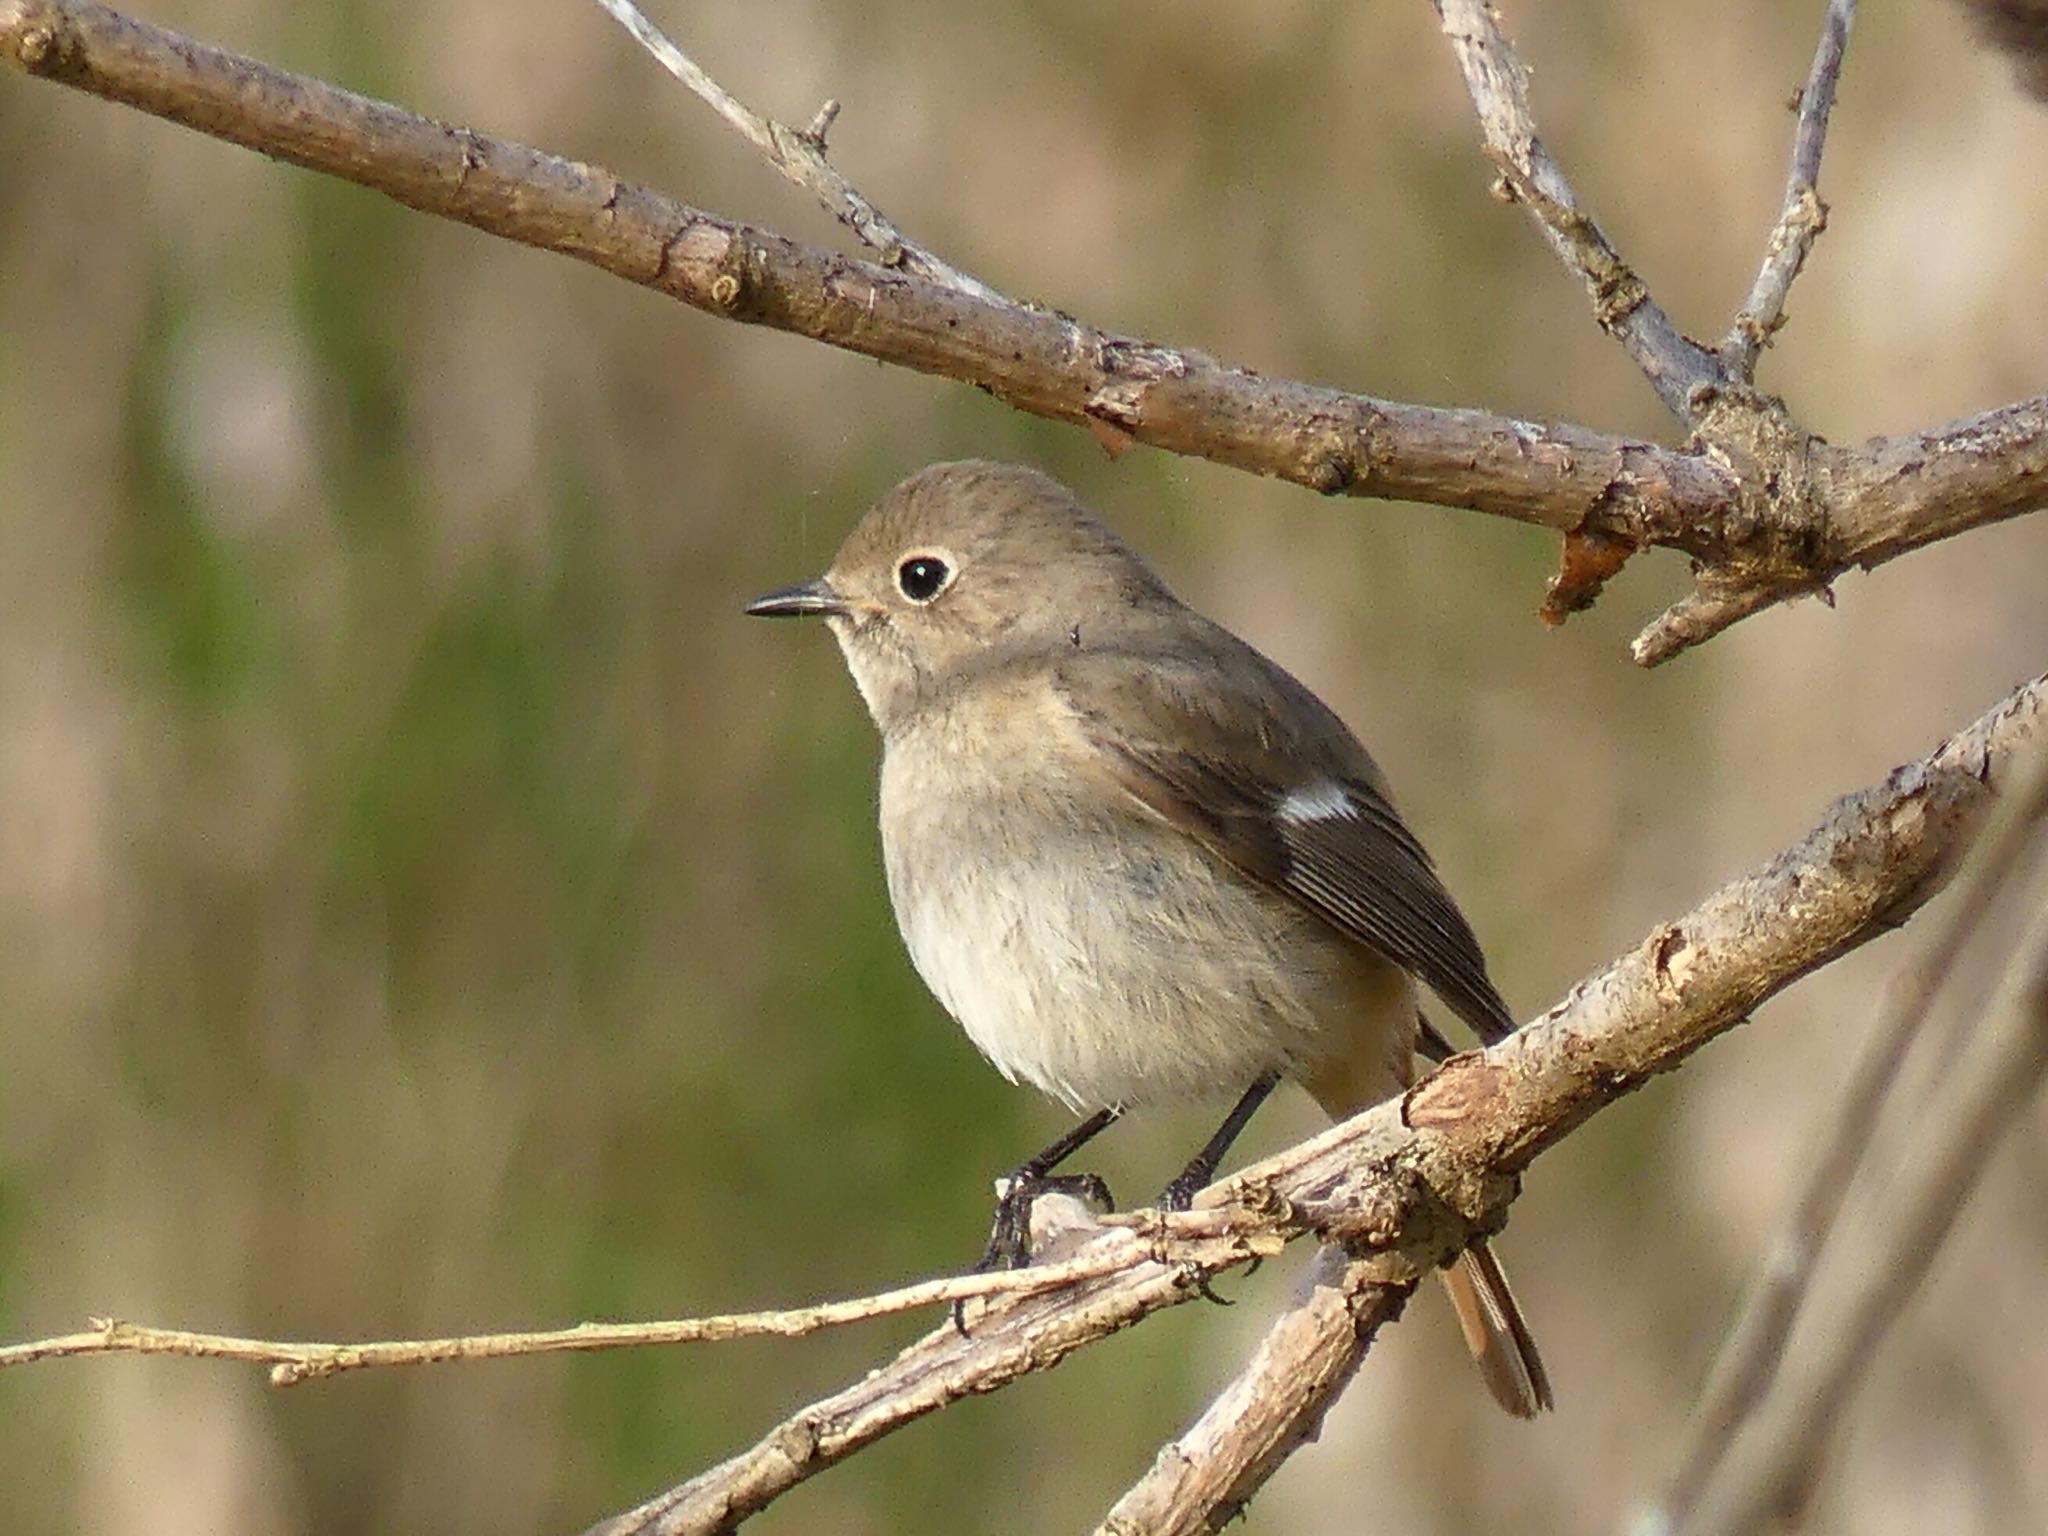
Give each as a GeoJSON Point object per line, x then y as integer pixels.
{"type": "Point", "coordinates": [923, 574]}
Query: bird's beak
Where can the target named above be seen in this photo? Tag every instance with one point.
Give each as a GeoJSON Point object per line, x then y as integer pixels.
{"type": "Point", "coordinates": [805, 599]}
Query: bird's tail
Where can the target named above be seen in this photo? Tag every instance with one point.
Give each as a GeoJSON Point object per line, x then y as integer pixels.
{"type": "Point", "coordinates": [1496, 1333]}
{"type": "Point", "coordinates": [1382, 1062]}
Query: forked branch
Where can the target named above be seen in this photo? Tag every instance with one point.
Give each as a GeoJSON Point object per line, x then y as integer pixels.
{"type": "Point", "coordinates": [1762, 514]}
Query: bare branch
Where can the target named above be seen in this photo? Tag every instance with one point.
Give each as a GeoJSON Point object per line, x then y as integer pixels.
{"type": "Point", "coordinates": [1764, 510]}
{"type": "Point", "coordinates": [1412, 1183]}
{"type": "Point", "coordinates": [1554, 476]}
{"type": "Point", "coordinates": [2003, 1062]}
{"type": "Point", "coordinates": [1804, 215]}
{"type": "Point", "coordinates": [1755, 1347]}
{"type": "Point", "coordinates": [1201, 1482]}
{"type": "Point", "coordinates": [799, 154]}
{"type": "Point", "coordinates": [1675, 366]}
{"type": "Point", "coordinates": [294, 1361]}
{"type": "Point", "coordinates": [1856, 508]}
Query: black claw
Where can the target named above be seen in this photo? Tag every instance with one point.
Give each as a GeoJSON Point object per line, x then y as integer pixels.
{"type": "Point", "coordinates": [1207, 1291]}
{"type": "Point", "coordinates": [1009, 1234]}
{"type": "Point", "coordinates": [1196, 1176]}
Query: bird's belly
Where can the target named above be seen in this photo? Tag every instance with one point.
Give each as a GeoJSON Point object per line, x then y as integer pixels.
{"type": "Point", "coordinates": [1113, 962]}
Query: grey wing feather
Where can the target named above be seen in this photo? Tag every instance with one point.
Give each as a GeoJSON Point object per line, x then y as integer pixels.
{"type": "Point", "coordinates": [1222, 765]}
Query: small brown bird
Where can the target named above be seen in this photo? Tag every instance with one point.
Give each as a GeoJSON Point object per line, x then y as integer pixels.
{"type": "Point", "coordinates": [1133, 858]}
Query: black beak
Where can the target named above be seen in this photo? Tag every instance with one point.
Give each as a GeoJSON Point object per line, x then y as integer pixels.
{"type": "Point", "coordinates": [805, 599]}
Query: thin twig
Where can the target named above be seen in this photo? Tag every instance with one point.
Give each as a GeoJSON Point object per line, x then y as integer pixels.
{"type": "Point", "coordinates": [1804, 215]}
{"type": "Point", "coordinates": [1883, 1259]}
{"type": "Point", "coordinates": [297, 1361]}
{"type": "Point", "coordinates": [1755, 1347]}
{"type": "Point", "coordinates": [1499, 86]}
{"type": "Point", "coordinates": [799, 154]}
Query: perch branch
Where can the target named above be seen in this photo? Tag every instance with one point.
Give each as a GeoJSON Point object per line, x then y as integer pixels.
{"type": "Point", "coordinates": [1803, 215]}
{"type": "Point", "coordinates": [799, 154]}
{"type": "Point", "coordinates": [1411, 1183]}
{"type": "Point", "coordinates": [1499, 86]}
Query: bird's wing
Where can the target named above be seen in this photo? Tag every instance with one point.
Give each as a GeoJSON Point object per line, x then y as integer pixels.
{"type": "Point", "coordinates": [1260, 771]}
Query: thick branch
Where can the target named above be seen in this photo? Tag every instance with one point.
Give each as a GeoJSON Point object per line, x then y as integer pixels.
{"type": "Point", "coordinates": [1038, 361]}
{"type": "Point", "coordinates": [1412, 1183]}
{"type": "Point", "coordinates": [1752, 543]}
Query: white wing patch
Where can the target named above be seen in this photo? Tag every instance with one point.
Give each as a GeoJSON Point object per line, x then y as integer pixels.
{"type": "Point", "coordinates": [1324, 800]}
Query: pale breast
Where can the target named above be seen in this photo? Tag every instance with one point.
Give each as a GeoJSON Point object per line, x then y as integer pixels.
{"type": "Point", "coordinates": [1088, 948]}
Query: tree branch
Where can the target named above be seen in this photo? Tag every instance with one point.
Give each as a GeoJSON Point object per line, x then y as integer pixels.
{"type": "Point", "coordinates": [1764, 510]}
{"type": "Point", "coordinates": [1408, 1185]}
{"type": "Point", "coordinates": [1803, 215]}
{"type": "Point", "coordinates": [1499, 86]}
{"type": "Point", "coordinates": [1558, 477]}
{"type": "Point", "coordinates": [1201, 1482]}
{"type": "Point", "coordinates": [1844, 509]}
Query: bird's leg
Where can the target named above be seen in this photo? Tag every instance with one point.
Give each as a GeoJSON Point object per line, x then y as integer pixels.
{"type": "Point", "coordinates": [1009, 1238]}
{"type": "Point", "coordinates": [1430, 1043]}
{"type": "Point", "coordinates": [1202, 1169]}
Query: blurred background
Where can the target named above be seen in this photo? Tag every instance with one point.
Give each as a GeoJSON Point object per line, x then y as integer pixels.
{"type": "Point", "coordinates": [426, 905]}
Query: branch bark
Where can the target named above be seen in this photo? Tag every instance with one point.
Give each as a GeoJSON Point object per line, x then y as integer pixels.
{"type": "Point", "coordinates": [1201, 1482]}
{"type": "Point", "coordinates": [1408, 1185]}
{"type": "Point", "coordinates": [1764, 511]}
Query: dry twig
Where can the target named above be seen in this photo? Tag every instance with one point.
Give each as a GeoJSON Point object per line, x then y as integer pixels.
{"type": "Point", "coordinates": [1499, 86]}
{"type": "Point", "coordinates": [1803, 215]}
{"type": "Point", "coordinates": [295, 1361]}
{"type": "Point", "coordinates": [799, 154]}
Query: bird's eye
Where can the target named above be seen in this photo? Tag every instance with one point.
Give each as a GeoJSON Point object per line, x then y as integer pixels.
{"type": "Point", "coordinates": [922, 577]}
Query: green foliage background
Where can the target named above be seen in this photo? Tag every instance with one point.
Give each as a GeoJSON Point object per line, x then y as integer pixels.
{"type": "Point", "coordinates": [429, 906]}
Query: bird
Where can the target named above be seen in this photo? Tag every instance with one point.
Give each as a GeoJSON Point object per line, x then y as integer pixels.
{"type": "Point", "coordinates": [1134, 859]}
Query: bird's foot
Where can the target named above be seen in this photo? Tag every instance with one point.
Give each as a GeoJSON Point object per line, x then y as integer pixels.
{"type": "Point", "coordinates": [1180, 1194]}
{"type": "Point", "coordinates": [1009, 1234]}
